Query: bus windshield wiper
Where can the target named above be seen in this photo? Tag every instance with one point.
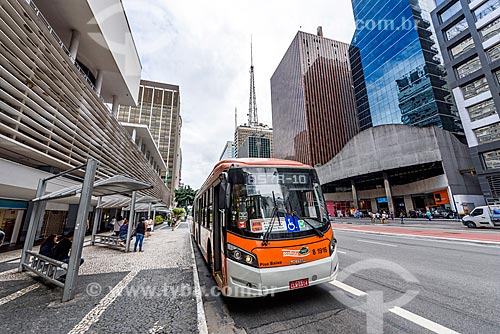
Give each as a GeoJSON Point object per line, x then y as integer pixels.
{"type": "Point", "coordinates": [294, 214]}
{"type": "Point", "coordinates": [267, 235]}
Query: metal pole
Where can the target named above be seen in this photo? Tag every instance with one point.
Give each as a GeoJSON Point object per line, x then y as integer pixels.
{"type": "Point", "coordinates": [34, 222]}
{"type": "Point", "coordinates": [131, 221]}
{"type": "Point", "coordinates": [79, 234]}
{"type": "Point", "coordinates": [149, 209]}
{"type": "Point", "coordinates": [97, 217]}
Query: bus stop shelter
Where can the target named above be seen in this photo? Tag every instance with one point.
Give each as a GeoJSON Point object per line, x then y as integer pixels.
{"type": "Point", "coordinates": [46, 267]}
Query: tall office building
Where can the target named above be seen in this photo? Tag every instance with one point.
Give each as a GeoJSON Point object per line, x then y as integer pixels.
{"type": "Point", "coordinates": [314, 111]}
{"type": "Point", "coordinates": [253, 141]}
{"type": "Point", "coordinates": [469, 37]}
{"type": "Point", "coordinates": [159, 109]}
{"type": "Point", "coordinates": [56, 78]}
{"type": "Point", "coordinates": [397, 67]}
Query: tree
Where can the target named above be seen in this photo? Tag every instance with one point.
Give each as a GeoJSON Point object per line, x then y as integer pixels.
{"type": "Point", "coordinates": [184, 196]}
{"type": "Point", "coordinates": [178, 212]}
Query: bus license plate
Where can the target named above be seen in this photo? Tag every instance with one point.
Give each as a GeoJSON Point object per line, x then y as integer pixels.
{"type": "Point", "coordinates": [301, 283]}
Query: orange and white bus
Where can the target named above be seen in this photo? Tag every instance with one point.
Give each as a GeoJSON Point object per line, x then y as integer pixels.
{"type": "Point", "coordinates": [262, 226]}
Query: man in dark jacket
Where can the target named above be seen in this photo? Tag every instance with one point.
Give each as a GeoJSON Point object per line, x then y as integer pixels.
{"type": "Point", "coordinates": [140, 230]}
{"type": "Point", "coordinates": [63, 247]}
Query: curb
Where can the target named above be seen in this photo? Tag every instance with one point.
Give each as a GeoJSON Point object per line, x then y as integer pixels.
{"type": "Point", "coordinates": [411, 236]}
{"type": "Point", "coordinates": [202, 321]}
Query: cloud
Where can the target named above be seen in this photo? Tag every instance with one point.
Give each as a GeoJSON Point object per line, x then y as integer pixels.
{"type": "Point", "coordinates": [204, 47]}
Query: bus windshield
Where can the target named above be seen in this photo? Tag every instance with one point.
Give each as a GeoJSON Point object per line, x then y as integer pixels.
{"type": "Point", "coordinates": [284, 202]}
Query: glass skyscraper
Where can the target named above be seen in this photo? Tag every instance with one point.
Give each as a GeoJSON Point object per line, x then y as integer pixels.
{"type": "Point", "coordinates": [397, 67]}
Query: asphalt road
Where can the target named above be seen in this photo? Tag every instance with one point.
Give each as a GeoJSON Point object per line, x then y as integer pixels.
{"type": "Point", "coordinates": [446, 287]}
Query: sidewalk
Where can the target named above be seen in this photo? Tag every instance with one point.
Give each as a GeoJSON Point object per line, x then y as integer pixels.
{"type": "Point", "coordinates": [148, 292]}
{"type": "Point", "coordinates": [457, 235]}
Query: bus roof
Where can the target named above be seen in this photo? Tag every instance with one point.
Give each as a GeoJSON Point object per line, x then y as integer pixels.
{"type": "Point", "coordinates": [249, 162]}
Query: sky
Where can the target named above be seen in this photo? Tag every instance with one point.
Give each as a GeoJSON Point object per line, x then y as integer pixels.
{"type": "Point", "coordinates": [204, 47]}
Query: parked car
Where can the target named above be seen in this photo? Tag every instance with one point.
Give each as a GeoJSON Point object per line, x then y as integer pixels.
{"type": "Point", "coordinates": [2, 237]}
{"type": "Point", "coordinates": [442, 213]}
{"type": "Point", "coordinates": [483, 216]}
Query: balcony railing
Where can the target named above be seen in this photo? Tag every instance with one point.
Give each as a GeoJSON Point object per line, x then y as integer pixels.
{"type": "Point", "coordinates": [58, 41]}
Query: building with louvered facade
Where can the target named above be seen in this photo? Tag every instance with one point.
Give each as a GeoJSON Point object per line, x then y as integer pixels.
{"type": "Point", "coordinates": [62, 80]}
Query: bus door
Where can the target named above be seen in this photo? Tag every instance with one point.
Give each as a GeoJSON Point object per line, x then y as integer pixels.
{"type": "Point", "coordinates": [217, 232]}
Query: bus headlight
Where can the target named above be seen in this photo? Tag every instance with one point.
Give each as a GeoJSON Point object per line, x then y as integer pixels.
{"type": "Point", "coordinates": [239, 255]}
{"type": "Point", "coordinates": [333, 244]}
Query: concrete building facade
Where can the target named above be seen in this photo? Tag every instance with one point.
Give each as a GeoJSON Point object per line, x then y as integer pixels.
{"type": "Point", "coordinates": [469, 36]}
{"type": "Point", "coordinates": [313, 105]}
{"type": "Point", "coordinates": [378, 170]}
{"type": "Point", "coordinates": [159, 109]}
{"type": "Point", "coordinates": [58, 73]}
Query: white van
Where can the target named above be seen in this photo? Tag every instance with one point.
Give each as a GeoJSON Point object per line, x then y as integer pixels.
{"type": "Point", "coordinates": [483, 216]}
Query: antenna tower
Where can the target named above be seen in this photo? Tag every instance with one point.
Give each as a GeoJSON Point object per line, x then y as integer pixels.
{"type": "Point", "coordinates": [253, 119]}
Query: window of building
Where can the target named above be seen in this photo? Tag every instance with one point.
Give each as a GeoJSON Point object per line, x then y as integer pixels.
{"type": "Point", "coordinates": [492, 159]}
{"type": "Point", "coordinates": [488, 134]}
{"type": "Point", "coordinates": [475, 88]}
{"type": "Point", "coordinates": [486, 8]}
{"type": "Point", "coordinates": [452, 10]}
{"type": "Point", "coordinates": [494, 53]}
{"type": "Point", "coordinates": [497, 75]}
{"type": "Point", "coordinates": [481, 110]}
{"type": "Point", "coordinates": [490, 30]}
{"type": "Point", "coordinates": [468, 67]}
{"type": "Point", "coordinates": [462, 47]}
{"type": "Point", "coordinates": [456, 29]}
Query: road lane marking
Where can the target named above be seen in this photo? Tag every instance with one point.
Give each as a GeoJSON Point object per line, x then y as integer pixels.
{"type": "Point", "coordinates": [341, 252]}
{"type": "Point", "coordinates": [423, 322]}
{"type": "Point", "coordinates": [469, 242]}
{"type": "Point", "coordinates": [200, 311]}
{"type": "Point", "coordinates": [378, 243]}
{"type": "Point", "coordinates": [348, 288]}
{"type": "Point", "coordinates": [95, 314]}
{"type": "Point", "coordinates": [18, 294]}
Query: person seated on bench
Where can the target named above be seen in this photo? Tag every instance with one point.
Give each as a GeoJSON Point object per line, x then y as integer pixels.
{"type": "Point", "coordinates": [47, 246]}
{"type": "Point", "coordinates": [123, 232]}
{"type": "Point", "coordinates": [63, 247]}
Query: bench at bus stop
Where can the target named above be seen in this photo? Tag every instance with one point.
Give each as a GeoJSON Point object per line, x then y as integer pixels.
{"type": "Point", "coordinates": [46, 267]}
{"type": "Point", "coordinates": [110, 241]}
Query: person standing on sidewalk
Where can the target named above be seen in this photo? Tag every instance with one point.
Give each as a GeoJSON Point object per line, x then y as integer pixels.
{"type": "Point", "coordinates": [117, 225]}
{"type": "Point", "coordinates": [140, 230]}
{"type": "Point", "coordinates": [402, 217]}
